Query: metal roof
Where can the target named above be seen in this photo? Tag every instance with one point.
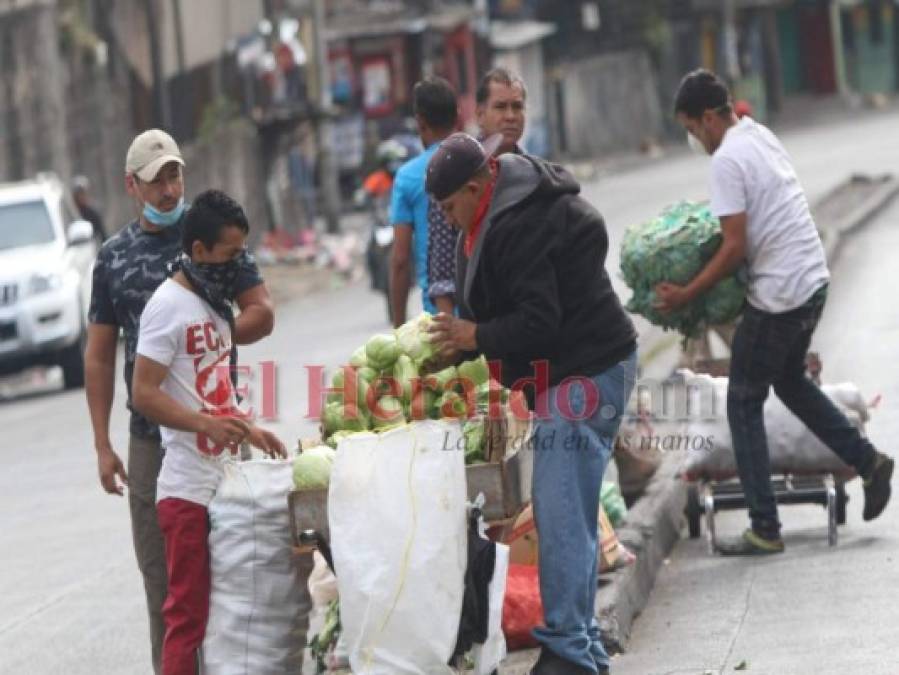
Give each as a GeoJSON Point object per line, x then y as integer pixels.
{"type": "Point", "coordinates": [368, 25]}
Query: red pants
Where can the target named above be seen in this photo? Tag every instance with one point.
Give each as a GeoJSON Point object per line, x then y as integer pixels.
{"type": "Point", "coordinates": [185, 527]}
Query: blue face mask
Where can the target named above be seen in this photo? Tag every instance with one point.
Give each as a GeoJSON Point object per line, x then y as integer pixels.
{"type": "Point", "coordinates": [164, 218]}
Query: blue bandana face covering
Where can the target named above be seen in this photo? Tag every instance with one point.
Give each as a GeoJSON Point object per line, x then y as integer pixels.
{"type": "Point", "coordinates": [164, 218]}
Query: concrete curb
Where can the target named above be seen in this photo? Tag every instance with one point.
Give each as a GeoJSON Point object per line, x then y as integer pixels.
{"type": "Point", "coordinates": [887, 188]}
{"type": "Point", "coordinates": [650, 531]}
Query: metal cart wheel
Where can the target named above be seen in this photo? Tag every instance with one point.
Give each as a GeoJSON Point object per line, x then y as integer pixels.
{"type": "Point", "coordinates": [693, 511]}
{"type": "Point", "coordinates": [832, 533]}
{"type": "Point", "coordinates": [708, 502]}
{"type": "Point", "coordinates": [842, 500]}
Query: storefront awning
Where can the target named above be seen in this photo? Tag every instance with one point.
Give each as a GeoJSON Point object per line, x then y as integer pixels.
{"type": "Point", "coordinates": [511, 35]}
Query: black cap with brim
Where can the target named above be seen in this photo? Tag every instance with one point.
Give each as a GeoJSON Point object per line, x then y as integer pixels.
{"type": "Point", "coordinates": [458, 158]}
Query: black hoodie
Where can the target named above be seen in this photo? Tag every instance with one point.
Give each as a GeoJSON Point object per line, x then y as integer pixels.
{"type": "Point", "coordinates": [536, 283]}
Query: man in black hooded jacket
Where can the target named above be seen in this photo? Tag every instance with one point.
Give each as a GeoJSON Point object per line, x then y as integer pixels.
{"type": "Point", "coordinates": [534, 298]}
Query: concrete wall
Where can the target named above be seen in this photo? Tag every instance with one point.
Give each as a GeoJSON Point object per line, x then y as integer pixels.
{"type": "Point", "coordinates": [60, 112]}
{"type": "Point", "coordinates": [207, 27]}
{"type": "Point", "coordinates": [32, 90]}
{"type": "Point", "coordinates": [611, 104]}
{"type": "Point", "coordinates": [229, 160]}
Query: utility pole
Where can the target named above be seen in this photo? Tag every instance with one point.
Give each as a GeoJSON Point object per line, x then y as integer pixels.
{"type": "Point", "coordinates": [160, 86]}
{"type": "Point", "coordinates": [731, 53]}
{"type": "Point", "coordinates": [179, 36]}
{"type": "Point", "coordinates": [330, 189]}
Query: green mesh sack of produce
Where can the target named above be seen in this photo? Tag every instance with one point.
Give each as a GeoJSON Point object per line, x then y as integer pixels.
{"type": "Point", "coordinates": [674, 247]}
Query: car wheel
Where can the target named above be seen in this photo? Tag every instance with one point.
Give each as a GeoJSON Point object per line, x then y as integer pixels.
{"type": "Point", "coordinates": [72, 361]}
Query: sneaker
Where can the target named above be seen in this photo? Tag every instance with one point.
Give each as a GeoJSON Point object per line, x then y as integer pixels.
{"type": "Point", "coordinates": [551, 664]}
{"type": "Point", "coordinates": [749, 543]}
{"type": "Point", "coordinates": [877, 486]}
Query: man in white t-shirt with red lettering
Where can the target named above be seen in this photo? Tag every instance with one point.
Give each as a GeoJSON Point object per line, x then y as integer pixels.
{"type": "Point", "coordinates": [183, 381]}
{"type": "Point", "coordinates": [766, 225]}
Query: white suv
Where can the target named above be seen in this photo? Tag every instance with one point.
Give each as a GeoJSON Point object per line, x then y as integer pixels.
{"type": "Point", "coordinates": [46, 259]}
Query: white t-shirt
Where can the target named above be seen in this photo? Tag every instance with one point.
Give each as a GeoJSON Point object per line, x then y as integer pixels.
{"type": "Point", "coordinates": [752, 173]}
{"type": "Point", "coordinates": [181, 331]}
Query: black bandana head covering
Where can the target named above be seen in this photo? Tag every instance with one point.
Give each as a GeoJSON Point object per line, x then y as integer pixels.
{"type": "Point", "coordinates": [216, 283]}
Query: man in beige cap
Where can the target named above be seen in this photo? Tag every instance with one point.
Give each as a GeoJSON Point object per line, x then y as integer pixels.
{"type": "Point", "coordinates": [129, 268]}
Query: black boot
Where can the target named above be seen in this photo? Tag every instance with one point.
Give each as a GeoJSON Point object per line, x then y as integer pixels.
{"type": "Point", "coordinates": [877, 486]}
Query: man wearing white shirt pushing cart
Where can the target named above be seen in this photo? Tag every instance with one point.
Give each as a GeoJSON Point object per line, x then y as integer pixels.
{"type": "Point", "coordinates": [766, 224]}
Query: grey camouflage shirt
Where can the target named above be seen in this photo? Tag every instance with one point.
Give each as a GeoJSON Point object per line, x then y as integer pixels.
{"type": "Point", "coordinates": [130, 267]}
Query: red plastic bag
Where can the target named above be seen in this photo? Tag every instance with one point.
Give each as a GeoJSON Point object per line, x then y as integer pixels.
{"type": "Point", "coordinates": [522, 608]}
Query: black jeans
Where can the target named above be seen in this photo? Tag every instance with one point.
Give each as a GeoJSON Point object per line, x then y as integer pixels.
{"type": "Point", "coordinates": [769, 350]}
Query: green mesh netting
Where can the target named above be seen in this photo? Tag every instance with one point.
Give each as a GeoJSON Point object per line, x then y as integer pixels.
{"type": "Point", "coordinates": [675, 247]}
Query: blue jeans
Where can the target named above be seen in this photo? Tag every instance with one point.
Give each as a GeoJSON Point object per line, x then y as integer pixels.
{"type": "Point", "coordinates": [769, 350]}
{"type": "Point", "coordinates": [570, 458]}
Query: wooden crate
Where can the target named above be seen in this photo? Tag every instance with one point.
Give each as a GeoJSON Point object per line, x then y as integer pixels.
{"type": "Point", "coordinates": [499, 479]}
{"type": "Point", "coordinates": [308, 511]}
{"type": "Point", "coordinates": [501, 486]}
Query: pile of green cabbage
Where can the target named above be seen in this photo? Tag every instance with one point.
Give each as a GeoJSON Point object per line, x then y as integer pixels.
{"type": "Point", "coordinates": [397, 382]}
{"type": "Point", "coordinates": [675, 247]}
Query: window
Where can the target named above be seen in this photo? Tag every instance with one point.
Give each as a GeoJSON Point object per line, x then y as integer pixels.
{"type": "Point", "coordinates": [25, 224]}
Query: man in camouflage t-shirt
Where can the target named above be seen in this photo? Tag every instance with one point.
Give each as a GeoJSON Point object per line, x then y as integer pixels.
{"type": "Point", "coordinates": [128, 270]}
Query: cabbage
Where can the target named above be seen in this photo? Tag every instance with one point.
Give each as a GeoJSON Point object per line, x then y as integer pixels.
{"type": "Point", "coordinates": [337, 382]}
{"type": "Point", "coordinates": [354, 419]}
{"type": "Point", "coordinates": [332, 417]}
{"type": "Point", "coordinates": [364, 378]}
{"type": "Point", "coordinates": [432, 410]}
{"type": "Point", "coordinates": [475, 372]}
{"type": "Point", "coordinates": [339, 417]}
{"type": "Point", "coordinates": [414, 339]}
{"type": "Point", "coordinates": [390, 413]}
{"type": "Point", "coordinates": [493, 389]}
{"type": "Point", "coordinates": [359, 359]}
{"type": "Point", "coordinates": [423, 405]}
{"type": "Point", "coordinates": [724, 301]}
{"type": "Point", "coordinates": [404, 372]}
{"type": "Point", "coordinates": [312, 468]}
{"type": "Point", "coordinates": [381, 351]}
{"type": "Point", "coordinates": [335, 438]}
{"type": "Point", "coordinates": [440, 380]}
{"type": "Point", "coordinates": [452, 405]}
{"type": "Point", "coordinates": [675, 247]}
{"type": "Point", "coordinates": [474, 434]}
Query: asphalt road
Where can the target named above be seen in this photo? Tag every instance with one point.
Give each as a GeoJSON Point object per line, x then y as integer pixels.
{"type": "Point", "coordinates": [72, 596]}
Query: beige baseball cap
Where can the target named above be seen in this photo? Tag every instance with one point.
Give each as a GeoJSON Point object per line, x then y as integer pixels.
{"type": "Point", "coordinates": [149, 152]}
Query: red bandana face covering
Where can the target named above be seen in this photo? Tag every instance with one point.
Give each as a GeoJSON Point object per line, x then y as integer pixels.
{"type": "Point", "coordinates": [483, 206]}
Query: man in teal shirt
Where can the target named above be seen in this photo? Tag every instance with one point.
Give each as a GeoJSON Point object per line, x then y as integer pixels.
{"type": "Point", "coordinates": [436, 111]}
